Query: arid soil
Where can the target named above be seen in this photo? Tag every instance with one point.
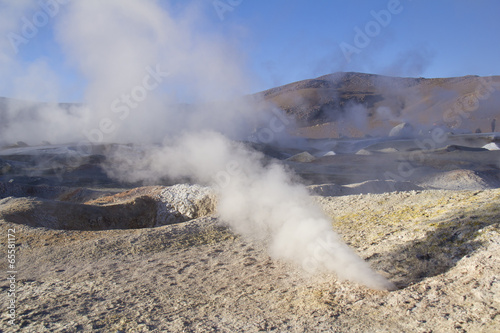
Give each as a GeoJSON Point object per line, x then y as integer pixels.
{"type": "Point", "coordinates": [94, 255]}
{"type": "Point", "coordinates": [441, 248]}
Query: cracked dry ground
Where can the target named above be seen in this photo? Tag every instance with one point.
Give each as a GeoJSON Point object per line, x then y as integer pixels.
{"type": "Point", "coordinates": [441, 248]}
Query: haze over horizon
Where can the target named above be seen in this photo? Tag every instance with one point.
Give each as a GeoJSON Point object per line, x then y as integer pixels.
{"type": "Point", "coordinates": [271, 43]}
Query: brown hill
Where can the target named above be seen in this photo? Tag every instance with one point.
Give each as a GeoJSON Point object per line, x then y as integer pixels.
{"type": "Point", "coordinates": [357, 104]}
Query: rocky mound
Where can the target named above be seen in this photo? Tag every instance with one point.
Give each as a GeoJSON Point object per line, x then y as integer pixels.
{"type": "Point", "coordinates": [460, 180]}
{"type": "Point", "coordinates": [137, 213]}
{"type": "Point", "coordinates": [137, 208]}
{"type": "Point", "coordinates": [182, 202]}
{"type": "Point", "coordinates": [303, 157]}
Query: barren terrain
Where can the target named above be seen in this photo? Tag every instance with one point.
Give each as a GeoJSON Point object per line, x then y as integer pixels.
{"type": "Point", "coordinates": [356, 104]}
{"type": "Point", "coordinates": [157, 258]}
{"type": "Point", "coordinates": [441, 248]}
{"type": "Point", "coordinates": [418, 202]}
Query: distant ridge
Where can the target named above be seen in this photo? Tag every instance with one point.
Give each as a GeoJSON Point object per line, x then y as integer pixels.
{"type": "Point", "coordinates": [355, 104]}
{"type": "Point", "coordinates": [359, 104]}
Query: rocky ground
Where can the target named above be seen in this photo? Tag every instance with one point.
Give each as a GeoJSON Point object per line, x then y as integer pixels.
{"type": "Point", "coordinates": [157, 259]}
{"type": "Point", "coordinates": [441, 248]}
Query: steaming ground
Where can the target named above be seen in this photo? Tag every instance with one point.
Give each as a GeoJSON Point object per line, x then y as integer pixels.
{"type": "Point", "coordinates": [256, 198]}
{"type": "Point", "coordinates": [441, 248]}
{"type": "Point", "coordinates": [96, 254]}
{"type": "Point", "coordinates": [246, 235]}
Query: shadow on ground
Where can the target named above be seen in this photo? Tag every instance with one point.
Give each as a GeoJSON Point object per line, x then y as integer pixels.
{"type": "Point", "coordinates": [452, 238]}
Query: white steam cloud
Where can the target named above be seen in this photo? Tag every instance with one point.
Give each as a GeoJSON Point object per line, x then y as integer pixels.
{"type": "Point", "coordinates": [256, 198]}
{"type": "Point", "coordinates": [140, 61]}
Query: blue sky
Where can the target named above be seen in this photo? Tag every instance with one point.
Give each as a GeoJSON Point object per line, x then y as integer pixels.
{"type": "Point", "coordinates": [295, 39]}
{"type": "Point", "coordinates": [282, 41]}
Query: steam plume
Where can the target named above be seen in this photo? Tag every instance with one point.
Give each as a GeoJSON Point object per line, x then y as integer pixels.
{"type": "Point", "coordinates": [256, 200]}
{"type": "Point", "coordinates": [116, 44]}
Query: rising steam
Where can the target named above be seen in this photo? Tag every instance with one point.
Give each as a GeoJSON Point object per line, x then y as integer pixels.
{"type": "Point", "coordinates": [256, 198]}
{"type": "Point", "coordinates": [116, 45]}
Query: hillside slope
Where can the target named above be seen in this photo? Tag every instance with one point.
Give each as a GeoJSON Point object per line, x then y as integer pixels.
{"type": "Point", "coordinates": [356, 104]}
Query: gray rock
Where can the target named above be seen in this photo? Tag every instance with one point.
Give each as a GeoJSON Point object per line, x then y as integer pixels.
{"type": "Point", "coordinates": [364, 152]}
{"type": "Point", "coordinates": [403, 130]}
{"type": "Point", "coordinates": [183, 202]}
{"type": "Point", "coordinates": [303, 157]}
